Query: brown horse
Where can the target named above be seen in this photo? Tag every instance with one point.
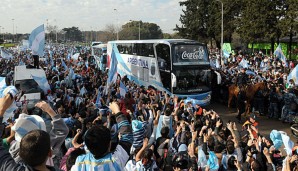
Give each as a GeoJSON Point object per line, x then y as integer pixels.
{"type": "Point", "coordinates": [233, 92]}
{"type": "Point", "coordinates": [250, 91]}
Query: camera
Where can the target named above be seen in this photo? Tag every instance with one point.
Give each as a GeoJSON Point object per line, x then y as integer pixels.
{"type": "Point", "coordinates": [253, 150]}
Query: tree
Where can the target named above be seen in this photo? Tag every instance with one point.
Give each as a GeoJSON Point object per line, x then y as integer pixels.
{"type": "Point", "coordinates": [201, 20]}
{"type": "Point", "coordinates": [73, 34]}
{"type": "Point", "coordinates": [130, 31]}
{"type": "Point", "coordinates": [111, 32]}
{"type": "Point", "coordinates": [289, 23]}
{"type": "Point", "coordinates": [266, 20]}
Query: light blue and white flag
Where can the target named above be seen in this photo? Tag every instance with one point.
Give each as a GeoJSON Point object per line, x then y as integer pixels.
{"type": "Point", "coordinates": [278, 52]}
{"type": "Point", "coordinates": [293, 75]}
{"type": "Point", "coordinates": [249, 72]}
{"type": "Point", "coordinates": [5, 54]}
{"type": "Point", "coordinates": [75, 56]}
{"type": "Point", "coordinates": [123, 89]}
{"type": "Point", "coordinates": [212, 161]}
{"type": "Point", "coordinates": [243, 63]}
{"type": "Point", "coordinates": [113, 69]}
{"type": "Point", "coordinates": [37, 41]}
{"type": "Point", "coordinates": [43, 83]}
{"type": "Point", "coordinates": [226, 53]}
{"type": "Point", "coordinates": [217, 65]}
{"type": "Point", "coordinates": [73, 75]}
{"type": "Point", "coordinates": [64, 65]}
{"type": "Point", "coordinates": [98, 102]}
{"type": "Point", "coordinates": [51, 58]}
{"type": "Point", "coordinates": [4, 89]}
{"type": "Point", "coordinates": [83, 91]}
{"type": "Point", "coordinates": [86, 64]}
{"type": "Point", "coordinates": [2, 82]}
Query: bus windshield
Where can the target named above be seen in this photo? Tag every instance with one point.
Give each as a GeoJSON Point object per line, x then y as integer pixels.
{"type": "Point", "coordinates": [187, 54]}
{"type": "Point", "coordinates": [191, 79]}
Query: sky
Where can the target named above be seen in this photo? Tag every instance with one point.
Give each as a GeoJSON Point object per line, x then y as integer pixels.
{"type": "Point", "coordinates": [25, 15]}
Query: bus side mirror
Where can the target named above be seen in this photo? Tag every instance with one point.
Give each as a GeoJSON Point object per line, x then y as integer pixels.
{"type": "Point", "coordinates": [174, 80]}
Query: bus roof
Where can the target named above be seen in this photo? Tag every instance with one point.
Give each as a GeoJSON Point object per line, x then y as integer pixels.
{"type": "Point", "coordinates": [165, 41]}
{"type": "Point", "coordinates": [95, 43]}
{"type": "Point", "coordinates": [100, 46]}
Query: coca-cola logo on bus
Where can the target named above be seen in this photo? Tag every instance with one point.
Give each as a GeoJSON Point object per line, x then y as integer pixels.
{"type": "Point", "coordinates": [193, 55]}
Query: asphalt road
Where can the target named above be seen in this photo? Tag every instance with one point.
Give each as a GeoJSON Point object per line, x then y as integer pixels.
{"type": "Point", "coordinates": [266, 125]}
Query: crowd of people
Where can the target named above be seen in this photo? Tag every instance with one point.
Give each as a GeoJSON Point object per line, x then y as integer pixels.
{"type": "Point", "coordinates": [279, 99]}
{"type": "Point", "coordinates": [82, 123]}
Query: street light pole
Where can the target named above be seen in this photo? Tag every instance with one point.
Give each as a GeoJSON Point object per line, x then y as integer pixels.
{"type": "Point", "coordinates": [3, 32]}
{"type": "Point", "coordinates": [221, 39]}
{"type": "Point", "coordinates": [139, 30]}
{"type": "Point", "coordinates": [16, 34]}
{"type": "Point", "coordinates": [12, 30]}
{"type": "Point", "coordinates": [117, 23]}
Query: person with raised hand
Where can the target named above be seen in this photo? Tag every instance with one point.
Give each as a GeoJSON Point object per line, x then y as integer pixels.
{"type": "Point", "coordinates": [98, 141]}
{"type": "Point", "coordinates": [35, 147]}
{"type": "Point", "coordinates": [26, 123]}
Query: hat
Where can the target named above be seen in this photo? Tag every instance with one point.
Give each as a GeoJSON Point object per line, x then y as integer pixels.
{"type": "Point", "coordinates": [182, 148]}
{"type": "Point", "coordinates": [253, 116]}
{"type": "Point", "coordinates": [136, 125]}
{"type": "Point", "coordinates": [26, 123]}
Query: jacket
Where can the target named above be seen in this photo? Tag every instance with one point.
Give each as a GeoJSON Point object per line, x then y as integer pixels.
{"type": "Point", "coordinates": [58, 134]}
{"type": "Point", "coordinates": [8, 163]}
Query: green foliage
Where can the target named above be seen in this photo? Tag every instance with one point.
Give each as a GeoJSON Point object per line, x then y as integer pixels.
{"type": "Point", "coordinates": [130, 31]}
{"type": "Point", "coordinates": [254, 20]}
{"type": "Point", "coordinates": [73, 34]}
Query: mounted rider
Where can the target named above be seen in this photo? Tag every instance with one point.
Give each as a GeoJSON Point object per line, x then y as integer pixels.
{"type": "Point", "coordinates": [242, 79]}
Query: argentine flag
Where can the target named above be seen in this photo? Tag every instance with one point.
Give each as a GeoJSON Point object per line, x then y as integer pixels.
{"type": "Point", "coordinates": [64, 65]}
{"type": "Point", "coordinates": [278, 52]}
{"type": "Point", "coordinates": [293, 75]}
{"type": "Point", "coordinates": [83, 91]}
{"type": "Point", "coordinates": [43, 83]}
{"type": "Point", "coordinates": [226, 53]}
{"type": "Point", "coordinates": [2, 82]}
{"type": "Point", "coordinates": [113, 69]}
{"type": "Point", "coordinates": [75, 56]}
{"type": "Point", "coordinates": [123, 89]}
{"type": "Point", "coordinates": [98, 102]}
{"type": "Point", "coordinates": [244, 63]}
{"type": "Point", "coordinates": [37, 41]}
{"type": "Point", "coordinates": [6, 55]}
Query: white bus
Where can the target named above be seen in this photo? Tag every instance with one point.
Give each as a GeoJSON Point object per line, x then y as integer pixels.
{"type": "Point", "coordinates": [178, 66]}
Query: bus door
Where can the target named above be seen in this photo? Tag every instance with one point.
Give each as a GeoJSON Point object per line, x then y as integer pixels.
{"type": "Point", "coordinates": [163, 68]}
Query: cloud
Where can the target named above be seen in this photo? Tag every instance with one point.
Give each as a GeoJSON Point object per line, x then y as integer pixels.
{"type": "Point", "coordinates": [87, 14]}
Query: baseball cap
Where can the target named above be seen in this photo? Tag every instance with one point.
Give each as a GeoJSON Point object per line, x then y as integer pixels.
{"type": "Point", "coordinates": [253, 116]}
{"type": "Point", "coordinates": [26, 123]}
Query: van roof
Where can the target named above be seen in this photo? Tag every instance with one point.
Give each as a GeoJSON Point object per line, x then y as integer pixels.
{"type": "Point", "coordinates": [22, 73]}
